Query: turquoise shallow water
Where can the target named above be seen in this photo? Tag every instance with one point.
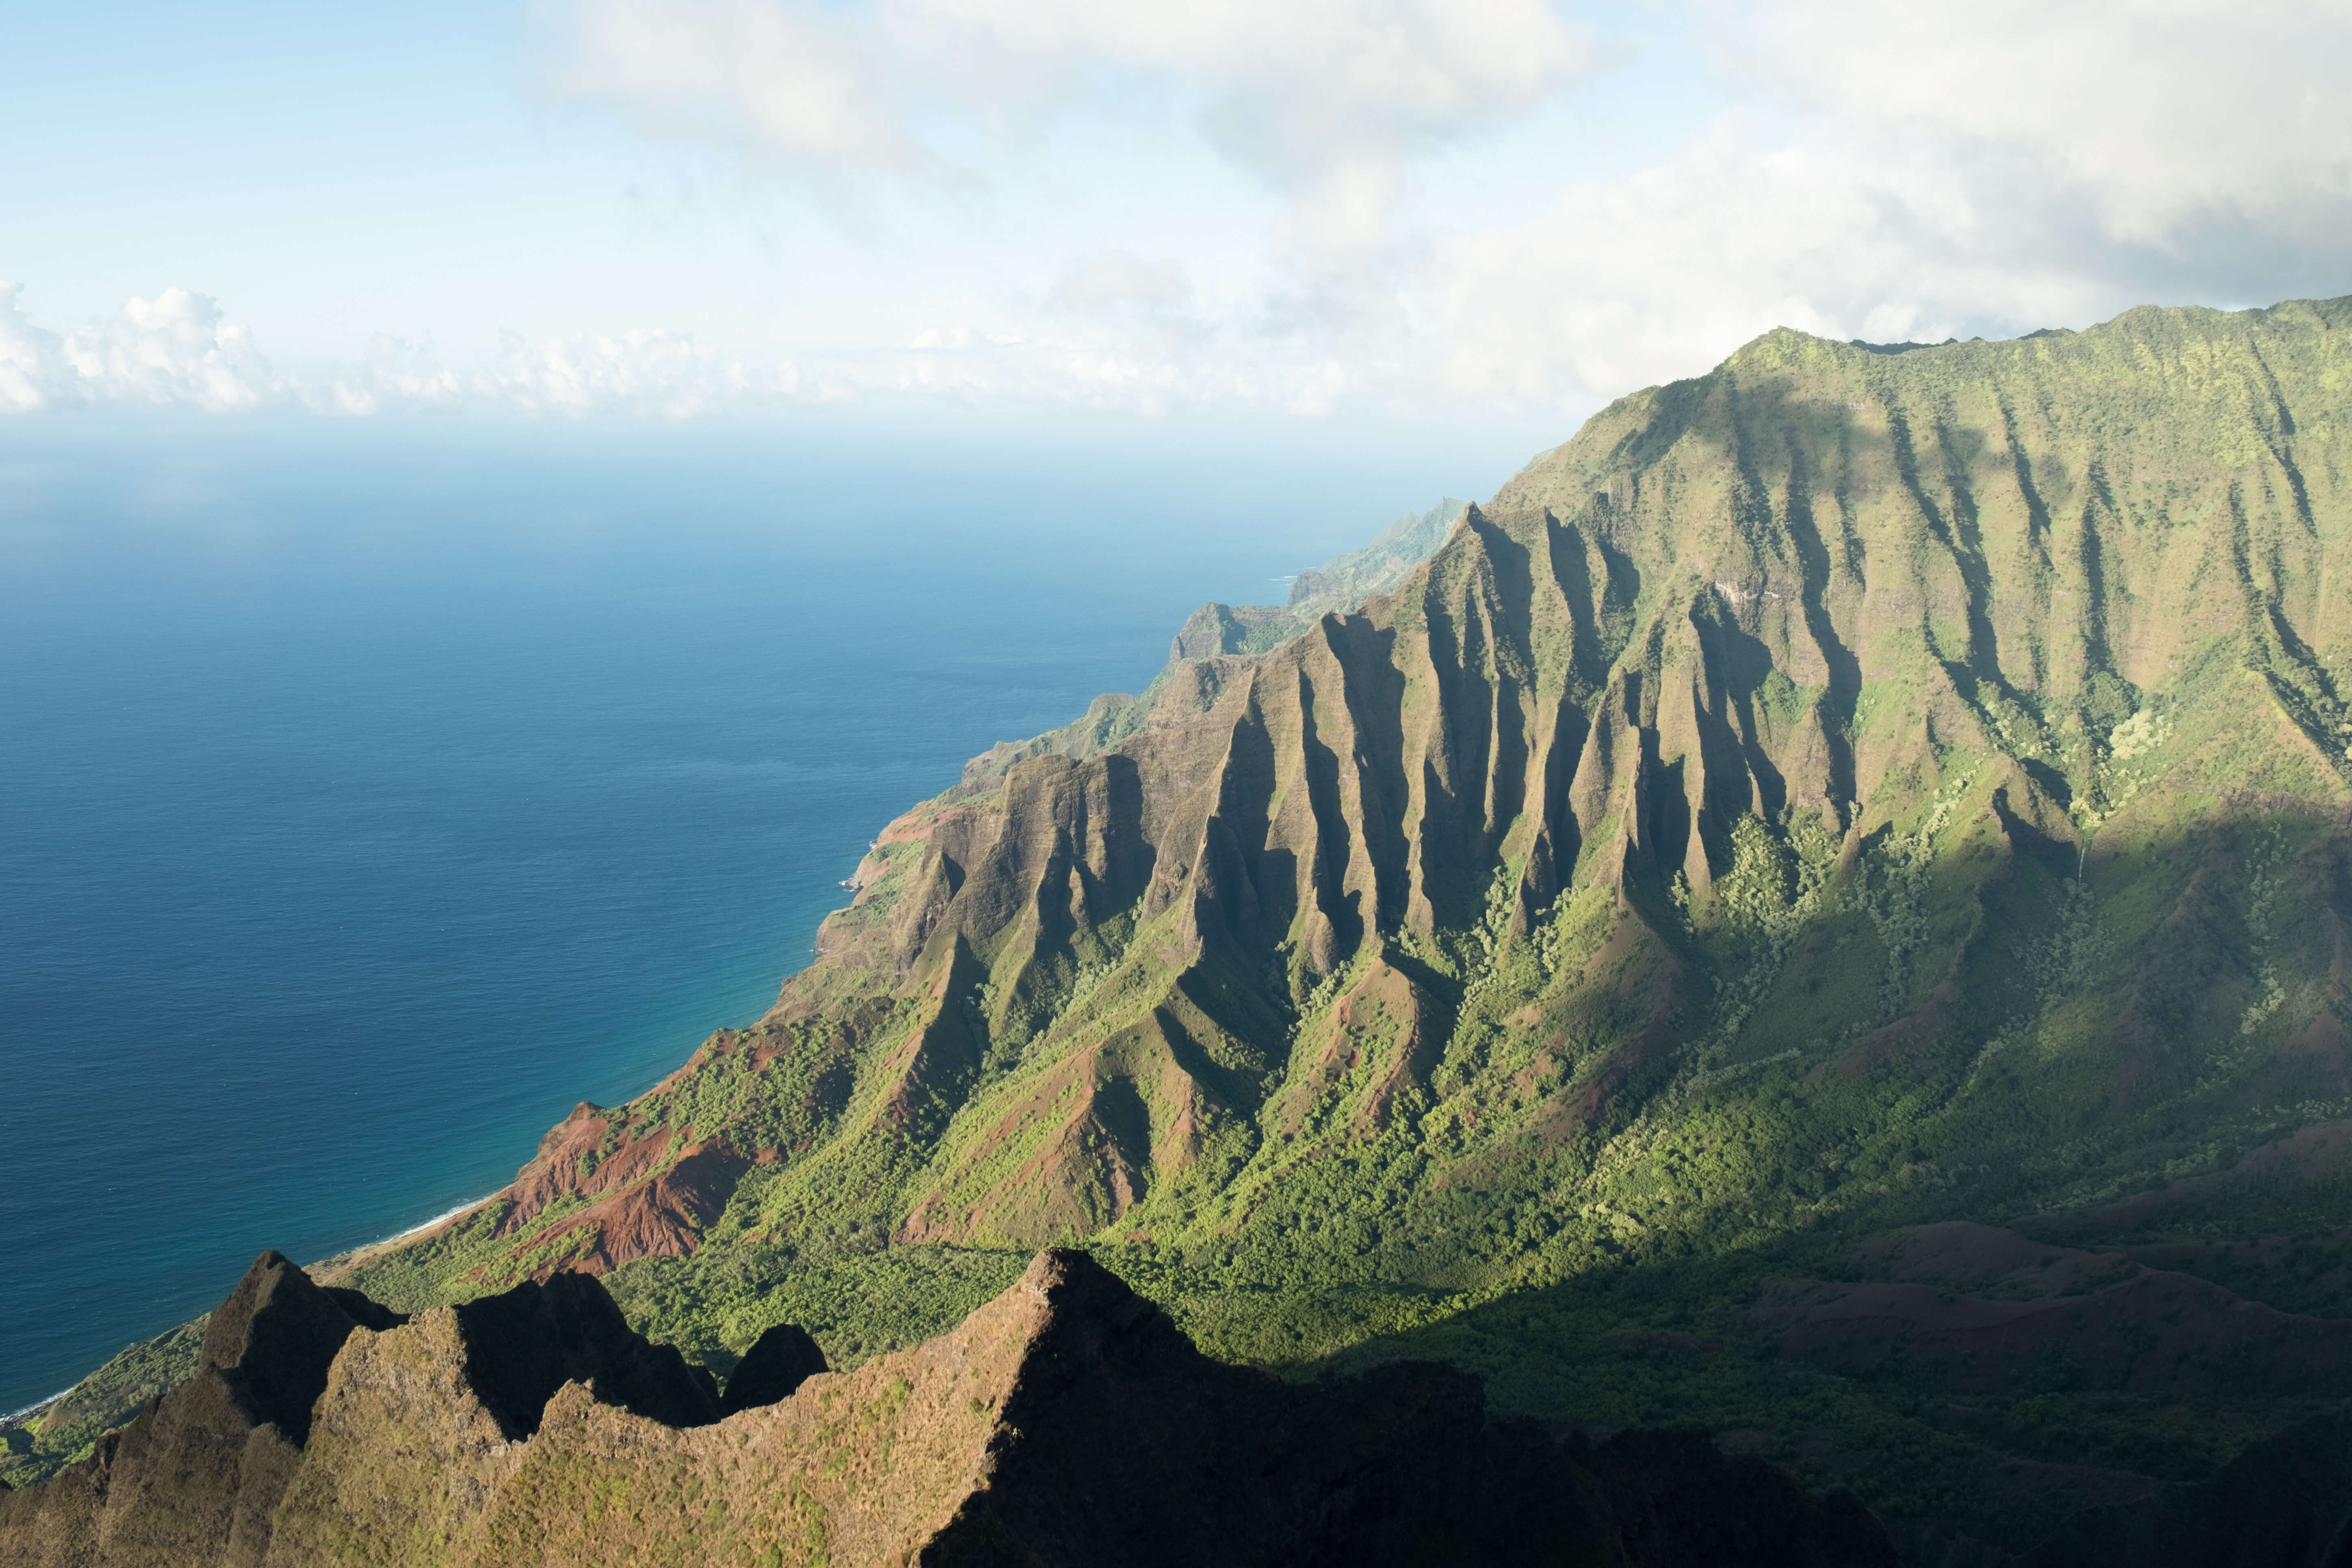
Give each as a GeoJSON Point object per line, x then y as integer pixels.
{"type": "Point", "coordinates": [369, 795]}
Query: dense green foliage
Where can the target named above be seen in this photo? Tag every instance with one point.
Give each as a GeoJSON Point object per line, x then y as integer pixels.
{"type": "Point", "coordinates": [1984, 858]}
{"type": "Point", "coordinates": [64, 1431]}
{"type": "Point", "coordinates": [1843, 793]}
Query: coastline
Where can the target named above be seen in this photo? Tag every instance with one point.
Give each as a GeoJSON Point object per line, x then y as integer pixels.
{"type": "Point", "coordinates": [14, 1417]}
{"type": "Point", "coordinates": [326, 1271]}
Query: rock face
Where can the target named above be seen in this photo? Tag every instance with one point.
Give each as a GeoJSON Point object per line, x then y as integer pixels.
{"type": "Point", "coordinates": [1959, 735]}
{"type": "Point", "coordinates": [196, 1477]}
{"type": "Point", "coordinates": [1066, 1423]}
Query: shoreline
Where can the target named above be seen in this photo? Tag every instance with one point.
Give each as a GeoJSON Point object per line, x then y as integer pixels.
{"type": "Point", "coordinates": [13, 1417]}
{"type": "Point", "coordinates": [444, 1217]}
{"type": "Point", "coordinates": [324, 1271]}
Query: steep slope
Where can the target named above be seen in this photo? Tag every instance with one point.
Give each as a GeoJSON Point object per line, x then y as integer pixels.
{"type": "Point", "coordinates": [1846, 791]}
{"type": "Point", "coordinates": [1844, 776]}
{"type": "Point", "coordinates": [1067, 1422]}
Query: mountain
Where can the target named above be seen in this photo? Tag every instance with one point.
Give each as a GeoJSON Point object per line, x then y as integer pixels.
{"type": "Point", "coordinates": [1067, 1422]}
{"type": "Point", "coordinates": [1820, 911]}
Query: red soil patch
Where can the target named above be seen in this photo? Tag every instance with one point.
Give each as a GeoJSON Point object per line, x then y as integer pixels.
{"type": "Point", "coordinates": [555, 1173]}
{"type": "Point", "coordinates": [660, 1218]}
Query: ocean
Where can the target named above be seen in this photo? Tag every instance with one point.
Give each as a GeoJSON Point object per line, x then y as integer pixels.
{"type": "Point", "coordinates": [372, 791]}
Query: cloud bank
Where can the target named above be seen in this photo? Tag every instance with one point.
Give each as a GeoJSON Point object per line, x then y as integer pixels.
{"type": "Point", "coordinates": [176, 349]}
{"type": "Point", "coordinates": [1409, 202]}
{"type": "Point", "coordinates": [1876, 169]}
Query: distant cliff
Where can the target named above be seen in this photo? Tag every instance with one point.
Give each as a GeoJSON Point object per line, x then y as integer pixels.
{"type": "Point", "coordinates": [1341, 584]}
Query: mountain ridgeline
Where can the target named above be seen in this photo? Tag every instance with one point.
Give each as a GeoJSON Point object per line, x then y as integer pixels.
{"type": "Point", "coordinates": [1936, 760]}
{"type": "Point", "coordinates": [1823, 909]}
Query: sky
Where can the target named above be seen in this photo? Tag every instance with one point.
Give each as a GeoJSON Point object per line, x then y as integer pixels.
{"type": "Point", "coordinates": [1286, 210]}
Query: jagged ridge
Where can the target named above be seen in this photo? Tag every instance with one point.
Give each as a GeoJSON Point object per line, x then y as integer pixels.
{"type": "Point", "coordinates": [1845, 790]}
{"type": "Point", "coordinates": [1065, 1423]}
{"type": "Point", "coordinates": [1944, 629]}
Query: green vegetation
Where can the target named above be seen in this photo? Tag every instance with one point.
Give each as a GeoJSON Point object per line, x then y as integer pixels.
{"type": "Point", "coordinates": [1843, 793]}
{"type": "Point", "coordinates": [58, 1434]}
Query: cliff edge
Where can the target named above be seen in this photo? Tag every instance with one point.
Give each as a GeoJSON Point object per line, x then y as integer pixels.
{"type": "Point", "coordinates": [1067, 1422]}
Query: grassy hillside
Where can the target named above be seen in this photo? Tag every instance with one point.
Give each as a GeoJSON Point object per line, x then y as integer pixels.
{"type": "Point", "coordinates": [1846, 793]}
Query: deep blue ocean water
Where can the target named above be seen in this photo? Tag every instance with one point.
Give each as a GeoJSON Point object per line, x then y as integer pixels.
{"type": "Point", "coordinates": [370, 793]}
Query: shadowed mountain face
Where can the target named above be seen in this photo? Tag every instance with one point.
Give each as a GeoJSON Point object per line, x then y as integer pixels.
{"type": "Point", "coordinates": [523, 1345]}
{"type": "Point", "coordinates": [1065, 1423]}
{"type": "Point", "coordinates": [1905, 784]}
{"type": "Point", "coordinates": [781, 1359]}
{"type": "Point", "coordinates": [1847, 795]}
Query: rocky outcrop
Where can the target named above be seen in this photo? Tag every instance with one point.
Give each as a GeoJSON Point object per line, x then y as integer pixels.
{"type": "Point", "coordinates": [272, 1341]}
{"type": "Point", "coordinates": [195, 1479]}
{"type": "Point", "coordinates": [1068, 1422]}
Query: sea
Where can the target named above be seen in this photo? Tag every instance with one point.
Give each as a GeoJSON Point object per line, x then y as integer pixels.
{"type": "Point", "coordinates": [372, 791]}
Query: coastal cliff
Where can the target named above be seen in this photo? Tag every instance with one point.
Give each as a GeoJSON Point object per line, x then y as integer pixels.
{"type": "Point", "coordinates": [1823, 910]}
{"type": "Point", "coordinates": [1957, 730]}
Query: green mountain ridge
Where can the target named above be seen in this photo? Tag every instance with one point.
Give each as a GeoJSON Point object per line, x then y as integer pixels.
{"type": "Point", "coordinates": [1821, 911]}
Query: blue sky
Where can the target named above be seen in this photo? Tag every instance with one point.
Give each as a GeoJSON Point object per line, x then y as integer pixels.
{"type": "Point", "coordinates": [1390, 208]}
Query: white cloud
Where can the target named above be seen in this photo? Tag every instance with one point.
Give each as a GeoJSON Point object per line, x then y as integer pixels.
{"type": "Point", "coordinates": [176, 349]}
{"type": "Point", "coordinates": [2156, 115]}
{"type": "Point", "coordinates": [645, 373]}
{"type": "Point", "coordinates": [1322, 98]}
{"type": "Point", "coordinates": [1887, 168]}
{"type": "Point", "coordinates": [1916, 170]}
{"type": "Point", "coordinates": [664, 374]}
{"type": "Point", "coordinates": [398, 372]}
{"type": "Point", "coordinates": [1434, 235]}
{"type": "Point", "coordinates": [29, 358]}
{"type": "Point", "coordinates": [799, 83]}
